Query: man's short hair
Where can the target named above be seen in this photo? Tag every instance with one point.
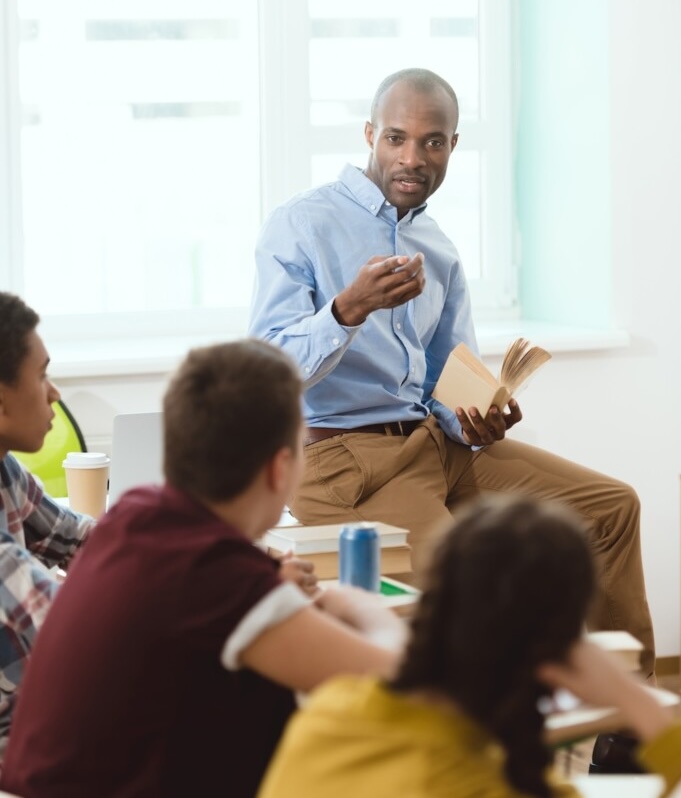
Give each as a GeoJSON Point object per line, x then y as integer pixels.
{"type": "Point", "coordinates": [17, 322]}
{"type": "Point", "coordinates": [421, 79]}
{"type": "Point", "coordinates": [228, 410]}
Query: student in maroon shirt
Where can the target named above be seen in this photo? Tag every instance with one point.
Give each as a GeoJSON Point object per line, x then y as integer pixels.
{"type": "Point", "coordinates": [168, 662]}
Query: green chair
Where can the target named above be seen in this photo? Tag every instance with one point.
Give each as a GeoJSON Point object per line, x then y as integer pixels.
{"type": "Point", "coordinates": [46, 464]}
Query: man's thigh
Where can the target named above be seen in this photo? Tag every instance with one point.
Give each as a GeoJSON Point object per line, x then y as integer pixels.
{"type": "Point", "coordinates": [361, 476]}
{"type": "Point", "coordinates": [520, 470]}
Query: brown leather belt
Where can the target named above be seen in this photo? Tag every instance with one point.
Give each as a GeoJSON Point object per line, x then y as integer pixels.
{"type": "Point", "coordinates": [404, 428]}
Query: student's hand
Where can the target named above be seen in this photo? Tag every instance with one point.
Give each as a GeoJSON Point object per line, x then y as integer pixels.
{"type": "Point", "coordinates": [383, 282]}
{"type": "Point", "coordinates": [300, 572]}
{"type": "Point", "coordinates": [598, 678]}
{"type": "Point", "coordinates": [479, 431]}
{"type": "Point", "coordinates": [364, 612]}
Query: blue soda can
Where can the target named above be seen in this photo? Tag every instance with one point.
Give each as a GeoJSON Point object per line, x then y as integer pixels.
{"type": "Point", "coordinates": [359, 556]}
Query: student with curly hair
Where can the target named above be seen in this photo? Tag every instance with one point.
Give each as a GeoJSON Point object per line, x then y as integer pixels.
{"type": "Point", "coordinates": [35, 532]}
{"type": "Point", "coordinates": [498, 628]}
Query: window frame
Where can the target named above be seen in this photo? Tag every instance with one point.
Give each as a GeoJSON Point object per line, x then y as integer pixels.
{"type": "Point", "coordinates": [285, 151]}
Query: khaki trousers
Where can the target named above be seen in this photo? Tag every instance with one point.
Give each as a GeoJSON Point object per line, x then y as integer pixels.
{"type": "Point", "coordinates": [418, 481]}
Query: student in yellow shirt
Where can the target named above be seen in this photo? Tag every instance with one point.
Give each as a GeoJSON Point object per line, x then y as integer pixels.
{"type": "Point", "coordinates": [498, 629]}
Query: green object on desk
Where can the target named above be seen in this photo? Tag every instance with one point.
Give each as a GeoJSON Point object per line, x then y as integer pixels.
{"type": "Point", "coordinates": [390, 589]}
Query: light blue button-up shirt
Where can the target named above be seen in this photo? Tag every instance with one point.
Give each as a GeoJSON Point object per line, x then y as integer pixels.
{"type": "Point", "coordinates": [385, 369]}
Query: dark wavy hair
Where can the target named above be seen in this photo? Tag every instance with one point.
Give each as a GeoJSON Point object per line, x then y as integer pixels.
{"type": "Point", "coordinates": [509, 588]}
{"type": "Point", "coordinates": [17, 321]}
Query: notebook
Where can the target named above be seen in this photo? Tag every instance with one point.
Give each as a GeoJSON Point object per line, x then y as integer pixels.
{"type": "Point", "coordinates": [136, 452]}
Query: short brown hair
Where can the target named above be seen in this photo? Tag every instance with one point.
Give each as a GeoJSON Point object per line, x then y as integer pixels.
{"type": "Point", "coordinates": [228, 410]}
{"type": "Point", "coordinates": [17, 321]}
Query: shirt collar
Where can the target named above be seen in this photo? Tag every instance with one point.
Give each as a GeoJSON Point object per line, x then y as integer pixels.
{"type": "Point", "coordinates": [369, 195]}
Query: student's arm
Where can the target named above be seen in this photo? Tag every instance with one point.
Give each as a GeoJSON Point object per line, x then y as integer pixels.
{"type": "Point", "coordinates": [51, 532]}
{"type": "Point", "coordinates": [599, 679]}
{"type": "Point", "coordinates": [312, 645]}
{"type": "Point", "coordinates": [286, 310]}
{"type": "Point", "coordinates": [26, 593]}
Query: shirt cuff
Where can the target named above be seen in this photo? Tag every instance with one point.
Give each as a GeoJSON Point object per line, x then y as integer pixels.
{"type": "Point", "coordinates": [449, 423]}
{"type": "Point", "coordinates": [278, 605]}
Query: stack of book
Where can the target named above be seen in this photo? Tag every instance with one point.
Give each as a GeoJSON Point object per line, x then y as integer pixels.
{"type": "Point", "coordinates": [319, 544]}
{"type": "Point", "coordinates": [620, 643]}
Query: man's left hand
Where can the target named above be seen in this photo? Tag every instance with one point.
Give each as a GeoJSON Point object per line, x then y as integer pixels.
{"type": "Point", "coordinates": [479, 431]}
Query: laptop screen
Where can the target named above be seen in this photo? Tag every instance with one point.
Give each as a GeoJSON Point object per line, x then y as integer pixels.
{"type": "Point", "coordinates": [136, 452]}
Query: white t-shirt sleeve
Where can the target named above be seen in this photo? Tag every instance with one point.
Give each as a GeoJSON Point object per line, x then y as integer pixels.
{"type": "Point", "coordinates": [275, 607]}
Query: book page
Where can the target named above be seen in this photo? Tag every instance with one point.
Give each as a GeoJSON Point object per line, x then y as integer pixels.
{"type": "Point", "coordinates": [520, 362]}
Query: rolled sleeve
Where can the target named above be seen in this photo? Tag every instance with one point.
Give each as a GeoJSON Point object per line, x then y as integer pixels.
{"type": "Point", "coordinates": [277, 606]}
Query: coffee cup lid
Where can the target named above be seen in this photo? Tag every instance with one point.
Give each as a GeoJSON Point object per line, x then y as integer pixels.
{"type": "Point", "coordinates": [86, 460]}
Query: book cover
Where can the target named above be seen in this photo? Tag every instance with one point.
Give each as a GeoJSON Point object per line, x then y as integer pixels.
{"type": "Point", "coordinates": [395, 560]}
{"type": "Point", "coordinates": [466, 382]}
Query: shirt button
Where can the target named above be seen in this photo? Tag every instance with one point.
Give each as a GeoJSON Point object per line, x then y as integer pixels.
{"type": "Point", "coordinates": [398, 325]}
{"type": "Point", "coordinates": [413, 369]}
{"type": "Point", "coordinates": [373, 207]}
{"type": "Point", "coordinates": [307, 369]}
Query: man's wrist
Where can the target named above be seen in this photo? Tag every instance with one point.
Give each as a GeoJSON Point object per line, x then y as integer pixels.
{"type": "Point", "coordinates": [346, 317]}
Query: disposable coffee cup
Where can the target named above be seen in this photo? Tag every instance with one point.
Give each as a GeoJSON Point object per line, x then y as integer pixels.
{"type": "Point", "coordinates": [87, 475]}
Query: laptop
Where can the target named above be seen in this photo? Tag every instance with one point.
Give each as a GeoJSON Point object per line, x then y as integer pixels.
{"type": "Point", "coordinates": [136, 452]}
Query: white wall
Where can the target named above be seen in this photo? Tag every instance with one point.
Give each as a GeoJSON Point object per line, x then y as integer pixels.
{"type": "Point", "coordinates": [613, 411]}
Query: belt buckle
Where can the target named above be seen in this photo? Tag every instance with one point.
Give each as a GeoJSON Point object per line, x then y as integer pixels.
{"type": "Point", "coordinates": [394, 428]}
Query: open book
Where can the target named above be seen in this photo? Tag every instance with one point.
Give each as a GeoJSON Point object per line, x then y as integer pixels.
{"type": "Point", "coordinates": [466, 382]}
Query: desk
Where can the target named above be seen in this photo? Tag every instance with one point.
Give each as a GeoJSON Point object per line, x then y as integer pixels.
{"type": "Point", "coordinates": [620, 786]}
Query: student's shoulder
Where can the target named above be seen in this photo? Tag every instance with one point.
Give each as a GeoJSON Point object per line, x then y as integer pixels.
{"type": "Point", "coordinates": [12, 471]}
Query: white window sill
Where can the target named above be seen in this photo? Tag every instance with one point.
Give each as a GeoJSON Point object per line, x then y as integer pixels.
{"type": "Point", "coordinates": [494, 337]}
{"type": "Point", "coordinates": [160, 355]}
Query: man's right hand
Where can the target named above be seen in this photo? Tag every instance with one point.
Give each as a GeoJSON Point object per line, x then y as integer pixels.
{"type": "Point", "coordinates": [383, 282]}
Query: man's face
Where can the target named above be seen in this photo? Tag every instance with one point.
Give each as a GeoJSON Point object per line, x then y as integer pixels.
{"type": "Point", "coordinates": [411, 139]}
{"type": "Point", "coordinates": [26, 406]}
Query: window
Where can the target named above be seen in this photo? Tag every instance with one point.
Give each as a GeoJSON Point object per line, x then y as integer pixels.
{"type": "Point", "coordinates": [143, 141]}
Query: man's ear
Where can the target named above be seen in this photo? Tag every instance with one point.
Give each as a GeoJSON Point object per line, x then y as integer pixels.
{"type": "Point", "coordinates": [279, 469]}
{"type": "Point", "coordinates": [455, 141]}
{"type": "Point", "coordinates": [369, 134]}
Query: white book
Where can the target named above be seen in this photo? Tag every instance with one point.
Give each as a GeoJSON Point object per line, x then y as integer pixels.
{"type": "Point", "coordinates": [324, 538]}
{"type": "Point", "coordinates": [620, 643]}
